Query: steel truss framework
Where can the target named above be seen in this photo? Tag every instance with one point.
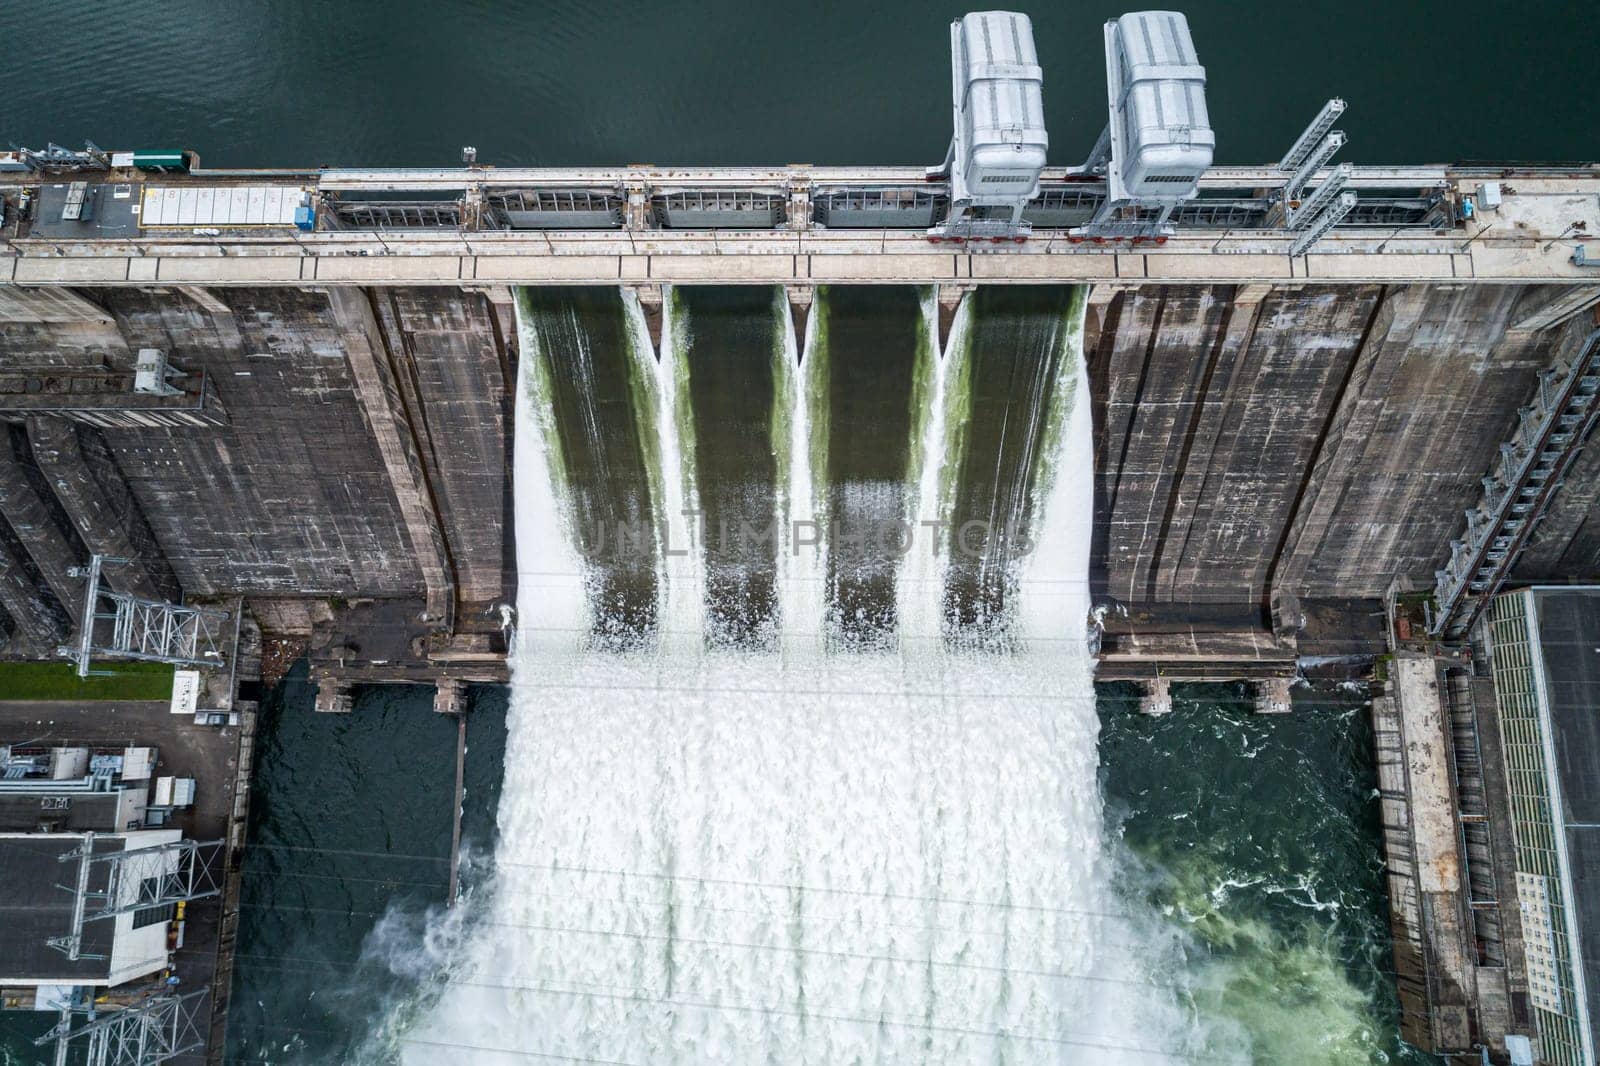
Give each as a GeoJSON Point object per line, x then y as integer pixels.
{"type": "Point", "coordinates": [1531, 464]}
{"type": "Point", "coordinates": [121, 626]}
{"type": "Point", "coordinates": [154, 1030]}
{"type": "Point", "coordinates": [135, 880]}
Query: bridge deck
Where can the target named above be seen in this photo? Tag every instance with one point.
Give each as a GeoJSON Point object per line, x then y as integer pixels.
{"type": "Point", "coordinates": [1532, 238]}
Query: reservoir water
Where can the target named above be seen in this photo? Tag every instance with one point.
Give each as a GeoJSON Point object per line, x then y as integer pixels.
{"type": "Point", "coordinates": [407, 82]}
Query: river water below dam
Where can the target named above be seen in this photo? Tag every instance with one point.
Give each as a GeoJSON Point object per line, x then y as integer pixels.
{"type": "Point", "coordinates": [803, 760]}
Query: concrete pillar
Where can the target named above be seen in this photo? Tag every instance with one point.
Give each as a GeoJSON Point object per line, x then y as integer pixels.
{"type": "Point", "coordinates": [1155, 696]}
{"type": "Point", "coordinates": [950, 297]}
{"type": "Point", "coordinates": [800, 297]}
{"type": "Point", "coordinates": [1100, 296]}
{"type": "Point", "coordinates": [652, 299]}
{"type": "Point", "coordinates": [206, 299]}
{"type": "Point", "coordinates": [797, 215]}
{"type": "Point", "coordinates": [1272, 696]}
{"type": "Point", "coordinates": [449, 696]}
{"type": "Point", "coordinates": [1552, 305]}
{"type": "Point", "coordinates": [81, 469]}
{"type": "Point", "coordinates": [333, 697]}
{"type": "Point", "coordinates": [473, 208]}
{"type": "Point", "coordinates": [30, 515]}
{"type": "Point", "coordinates": [503, 307]}
{"type": "Point", "coordinates": [636, 214]}
{"type": "Point", "coordinates": [1251, 294]}
{"type": "Point", "coordinates": [1287, 616]}
{"type": "Point", "coordinates": [384, 409]}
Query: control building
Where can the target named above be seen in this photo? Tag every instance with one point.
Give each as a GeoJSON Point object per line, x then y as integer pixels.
{"type": "Point", "coordinates": [1546, 654]}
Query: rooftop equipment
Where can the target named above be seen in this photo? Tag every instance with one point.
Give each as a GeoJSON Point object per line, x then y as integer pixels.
{"type": "Point", "coordinates": [150, 374]}
{"type": "Point", "coordinates": [998, 147]}
{"type": "Point", "coordinates": [1158, 141]}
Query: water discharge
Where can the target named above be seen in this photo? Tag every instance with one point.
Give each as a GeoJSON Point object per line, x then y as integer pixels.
{"type": "Point", "coordinates": [798, 800]}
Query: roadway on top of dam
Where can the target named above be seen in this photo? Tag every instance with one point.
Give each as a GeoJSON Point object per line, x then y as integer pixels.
{"type": "Point", "coordinates": [1534, 237]}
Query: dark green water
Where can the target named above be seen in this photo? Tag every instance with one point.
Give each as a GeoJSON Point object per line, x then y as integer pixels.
{"type": "Point", "coordinates": [729, 375]}
{"type": "Point", "coordinates": [349, 848]}
{"type": "Point", "coordinates": [1256, 835]}
{"type": "Point", "coordinates": [870, 351]}
{"type": "Point", "coordinates": [1259, 836]}
{"type": "Point", "coordinates": [405, 82]}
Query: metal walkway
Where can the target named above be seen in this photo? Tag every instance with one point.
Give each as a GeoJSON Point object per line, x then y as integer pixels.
{"type": "Point", "coordinates": [1550, 432]}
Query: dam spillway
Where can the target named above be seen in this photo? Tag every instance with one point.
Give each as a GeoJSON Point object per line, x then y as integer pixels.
{"type": "Point", "coordinates": [725, 838]}
{"type": "Point", "coordinates": [1280, 443]}
{"type": "Point", "coordinates": [830, 524]}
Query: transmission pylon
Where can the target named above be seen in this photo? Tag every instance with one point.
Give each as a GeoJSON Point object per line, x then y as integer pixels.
{"type": "Point", "coordinates": [154, 1030]}
{"type": "Point", "coordinates": [134, 880]}
{"type": "Point", "coordinates": [117, 625]}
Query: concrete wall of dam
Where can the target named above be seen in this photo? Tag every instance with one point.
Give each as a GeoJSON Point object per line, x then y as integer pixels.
{"type": "Point", "coordinates": [1260, 448]}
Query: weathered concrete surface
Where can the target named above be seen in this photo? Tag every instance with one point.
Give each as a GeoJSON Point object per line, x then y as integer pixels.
{"type": "Point", "coordinates": [36, 519]}
{"type": "Point", "coordinates": [1208, 413]}
{"type": "Point", "coordinates": [88, 481]}
{"type": "Point", "coordinates": [1433, 392]}
{"type": "Point", "coordinates": [1255, 445]}
{"type": "Point", "coordinates": [379, 385]}
{"type": "Point", "coordinates": [292, 496]}
{"type": "Point", "coordinates": [457, 372]}
{"type": "Point", "coordinates": [33, 621]}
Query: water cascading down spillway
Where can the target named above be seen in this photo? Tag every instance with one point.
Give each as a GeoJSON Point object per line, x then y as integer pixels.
{"type": "Point", "coordinates": [801, 764]}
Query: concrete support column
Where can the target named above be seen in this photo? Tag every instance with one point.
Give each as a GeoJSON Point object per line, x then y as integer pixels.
{"type": "Point", "coordinates": [80, 468]}
{"type": "Point", "coordinates": [652, 300]}
{"type": "Point", "coordinates": [636, 215]}
{"type": "Point", "coordinates": [1100, 296]}
{"type": "Point", "coordinates": [473, 208]}
{"type": "Point", "coordinates": [950, 297]}
{"type": "Point", "coordinates": [1272, 696]}
{"type": "Point", "coordinates": [1395, 319]}
{"type": "Point", "coordinates": [1155, 696]}
{"type": "Point", "coordinates": [19, 304]}
{"type": "Point", "coordinates": [206, 299]}
{"type": "Point", "coordinates": [449, 696]}
{"type": "Point", "coordinates": [47, 544]}
{"type": "Point", "coordinates": [503, 307]}
{"type": "Point", "coordinates": [381, 403]}
{"type": "Point", "coordinates": [1551, 305]}
{"type": "Point", "coordinates": [333, 697]}
{"type": "Point", "coordinates": [797, 216]}
{"type": "Point", "coordinates": [800, 298]}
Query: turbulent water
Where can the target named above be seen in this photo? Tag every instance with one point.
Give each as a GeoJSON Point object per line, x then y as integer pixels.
{"type": "Point", "coordinates": [803, 802]}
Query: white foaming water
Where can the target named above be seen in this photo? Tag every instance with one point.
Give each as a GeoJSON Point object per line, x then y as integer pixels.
{"type": "Point", "coordinates": [798, 857]}
{"type": "Point", "coordinates": [681, 603]}
{"type": "Point", "coordinates": [920, 594]}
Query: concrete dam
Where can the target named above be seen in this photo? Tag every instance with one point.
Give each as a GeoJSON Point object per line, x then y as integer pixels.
{"type": "Point", "coordinates": [887, 467]}
{"type": "Point", "coordinates": [1270, 459]}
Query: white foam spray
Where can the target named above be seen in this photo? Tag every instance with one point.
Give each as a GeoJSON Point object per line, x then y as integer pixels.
{"type": "Point", "coordinates": [709, 856]}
